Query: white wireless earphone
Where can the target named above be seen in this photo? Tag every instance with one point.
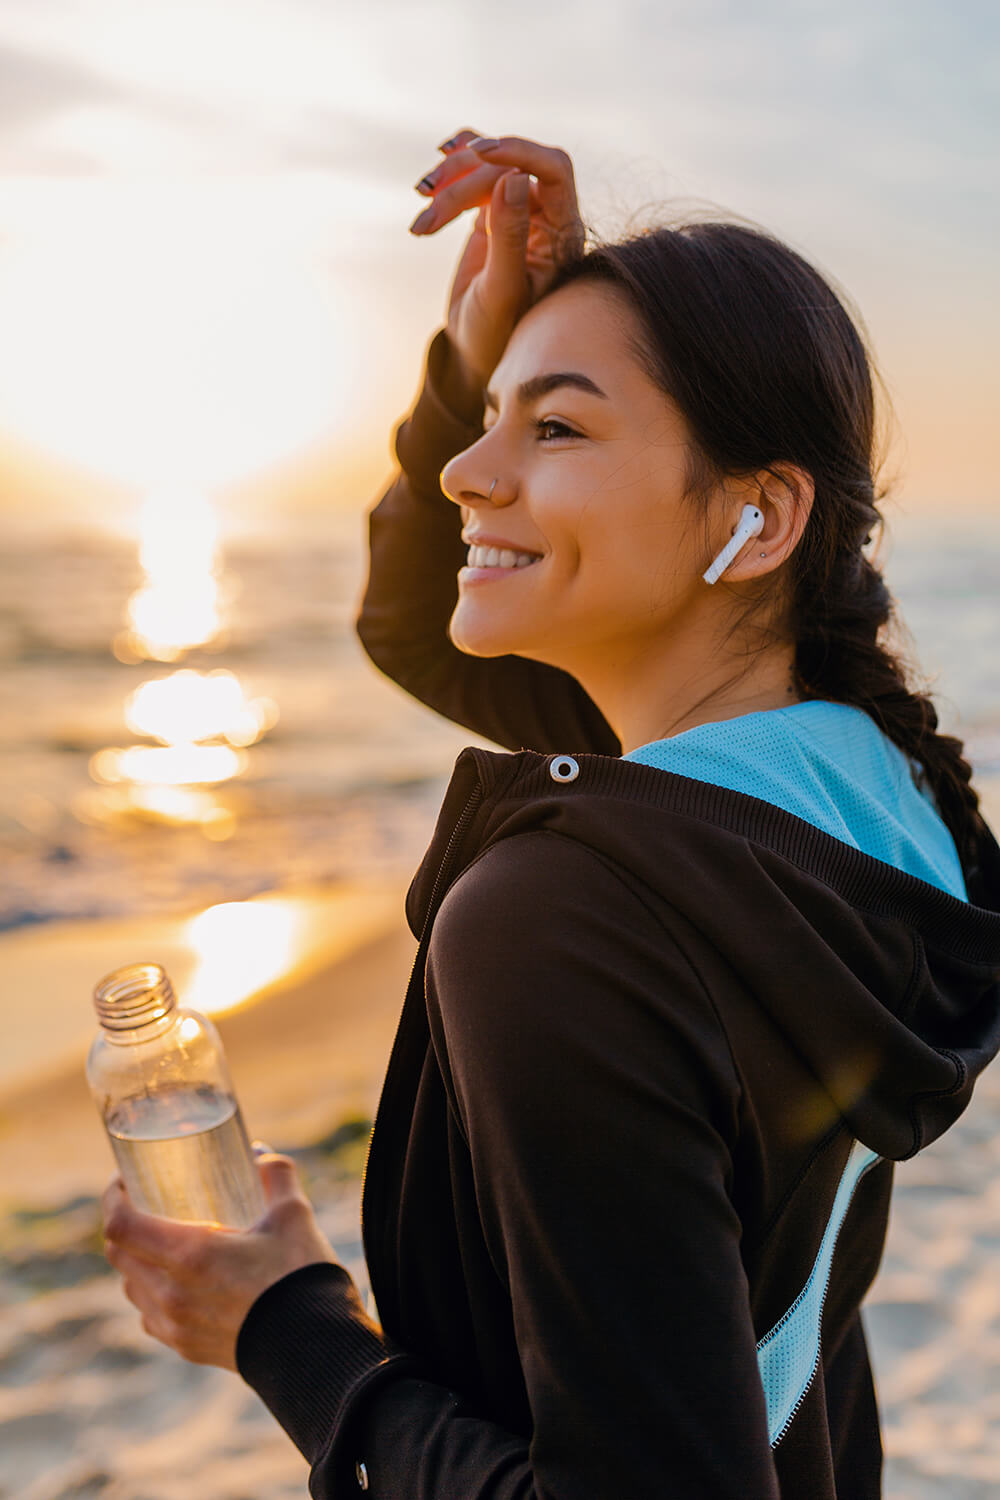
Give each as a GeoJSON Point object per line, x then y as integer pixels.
{"type": "Point", "coordinates": [751, 524]}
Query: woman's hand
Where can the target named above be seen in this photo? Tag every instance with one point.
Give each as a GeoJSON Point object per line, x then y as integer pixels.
{"type": "Point", "coordinates": [524, 230]}
{"type": "Point", "coordinates": [195, 1283]}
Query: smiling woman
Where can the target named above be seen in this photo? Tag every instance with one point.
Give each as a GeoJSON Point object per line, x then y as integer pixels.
{"type": "Point", "coordinates": [675, 1012]}
{"type": "Point", "coordinates": [588, 482]}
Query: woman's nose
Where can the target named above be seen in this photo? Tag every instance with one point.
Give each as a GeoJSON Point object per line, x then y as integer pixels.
{"type": "Point", "coordinates": [469, 483]}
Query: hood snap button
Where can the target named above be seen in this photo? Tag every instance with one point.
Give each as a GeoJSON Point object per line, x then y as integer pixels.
{"type": "Point", "coordinates": [563, 768]}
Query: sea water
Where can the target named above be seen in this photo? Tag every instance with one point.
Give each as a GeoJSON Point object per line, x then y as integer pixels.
{"type": "Point", "coordinates": [351, 783]}
{"type": "Point", "coordinates": [183, 1152]}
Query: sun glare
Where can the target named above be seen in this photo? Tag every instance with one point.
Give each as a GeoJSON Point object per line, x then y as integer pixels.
{"type": "Point", "coordinates": [241, 947]}
{"type": "Point", "coordinates": [204, 721]}
{"type": "Point", "coordinates": [190, 713]}
{"type": "Point", "coordinates": [178, 605]}
{"type": "Point", "coordinates": [176, 330]}
{"type": "Point", "coordinates": [173, 765]}
{"type": "Point", "coordinates": [189, 706]}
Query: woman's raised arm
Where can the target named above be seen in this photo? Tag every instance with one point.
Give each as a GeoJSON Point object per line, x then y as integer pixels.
{"type": "Point", "coordinates": [415, 543]}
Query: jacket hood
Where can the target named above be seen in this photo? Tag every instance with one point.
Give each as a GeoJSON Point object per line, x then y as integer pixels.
{"type": "Point", "coordinates": [887, 987]}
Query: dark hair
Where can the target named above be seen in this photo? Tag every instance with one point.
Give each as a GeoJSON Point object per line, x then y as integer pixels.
{"type": "Point", "coordinates": [766, 366]}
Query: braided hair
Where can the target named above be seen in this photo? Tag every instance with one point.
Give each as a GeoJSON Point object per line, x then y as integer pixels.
{"type": "Point", "coordinates": [766, 365]}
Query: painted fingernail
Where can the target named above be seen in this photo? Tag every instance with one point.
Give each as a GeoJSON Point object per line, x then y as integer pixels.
{"type": "Point", "coordinates": [449, 145]}
{"type": "Point", "coordinates": [483, 143]}
{"type": "Point", "coordinates": [425, 185]}
{"type": "Point", "coordinates": [423, 221]}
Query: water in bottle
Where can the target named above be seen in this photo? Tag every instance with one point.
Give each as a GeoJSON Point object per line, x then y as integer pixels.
{"type": "Point", "coordinates": [159, 1077]}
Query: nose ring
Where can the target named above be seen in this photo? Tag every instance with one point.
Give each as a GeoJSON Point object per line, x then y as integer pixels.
{"type": "Point", "coordinates": [492, 488]}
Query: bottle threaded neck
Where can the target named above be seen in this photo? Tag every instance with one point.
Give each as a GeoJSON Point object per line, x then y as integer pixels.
{"type": "Point", "coordinates": [134, 996]}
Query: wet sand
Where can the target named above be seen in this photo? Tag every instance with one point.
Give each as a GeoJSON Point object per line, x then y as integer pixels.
{"type": "Point", "coordinates": [92, 1409]}
{"type": "Point", "coordinates": [305, 1050]}
{"type": "Point", "coordinates": [89, 1405]}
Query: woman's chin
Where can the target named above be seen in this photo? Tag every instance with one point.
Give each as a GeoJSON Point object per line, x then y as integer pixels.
{"type": "Point", "coordinates": [473, 644]}
{"type": "Point", "coordinates": [475, 635]}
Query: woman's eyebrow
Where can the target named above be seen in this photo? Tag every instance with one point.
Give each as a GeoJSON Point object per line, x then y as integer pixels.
{"type": "Point", "coordinates": [541, 385]}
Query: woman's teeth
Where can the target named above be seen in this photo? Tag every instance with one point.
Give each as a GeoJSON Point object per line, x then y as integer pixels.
{"type": "Point", "coordinates": [495, 557]}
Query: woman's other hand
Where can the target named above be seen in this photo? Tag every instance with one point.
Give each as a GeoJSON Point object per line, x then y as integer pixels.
{"type": "Point", "coordinates": [195, 1283]}
{"type": "Point", "coordinates": [528, 223]}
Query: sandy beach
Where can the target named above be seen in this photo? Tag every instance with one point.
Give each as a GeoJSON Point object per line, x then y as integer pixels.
{"type": "Point", "coordinates": [92, 1409]}
{"type": "Point", "coordinates": [89, 1405]}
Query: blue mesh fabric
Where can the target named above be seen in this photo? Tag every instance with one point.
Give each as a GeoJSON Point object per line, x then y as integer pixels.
{"type": "Point", "coordinates": [831, 765]}
{"type": "Point", "coordinates": [788, 1355]}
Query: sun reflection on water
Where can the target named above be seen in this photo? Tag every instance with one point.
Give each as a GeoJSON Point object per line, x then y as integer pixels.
{"type": "Point", "coordinates": [190, 706]}
{"type": "Point", "coordinates": [177, 606]}
{"type": "Point", "coordinates": [204, 721]}
{"type": "Point", "coordinates": [173, 765]}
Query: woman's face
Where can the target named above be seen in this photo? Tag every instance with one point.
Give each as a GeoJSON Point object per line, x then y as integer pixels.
{"type": "Point", "coordinates": [590, 459]}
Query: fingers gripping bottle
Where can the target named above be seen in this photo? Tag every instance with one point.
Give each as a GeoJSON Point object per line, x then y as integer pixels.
{"type": "Point", "coordinates": [159, 1078]}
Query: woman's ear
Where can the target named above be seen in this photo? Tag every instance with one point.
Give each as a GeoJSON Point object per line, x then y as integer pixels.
{"type": "Point", "coordinates": [785, 494]}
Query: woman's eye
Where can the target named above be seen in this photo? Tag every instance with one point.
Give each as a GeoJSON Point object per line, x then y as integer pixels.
{"type": "Point", "coordinates": [559, 429]}
{"type": "Point", "coordinates": [548, 429]}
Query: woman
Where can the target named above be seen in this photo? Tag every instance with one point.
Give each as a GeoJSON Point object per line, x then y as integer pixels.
{"type": "Point", "coordinates": [695, 967]}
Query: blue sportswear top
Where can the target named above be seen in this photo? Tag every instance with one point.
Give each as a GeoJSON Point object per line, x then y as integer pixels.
{"type": "Point", "coordinates": [831, 765]}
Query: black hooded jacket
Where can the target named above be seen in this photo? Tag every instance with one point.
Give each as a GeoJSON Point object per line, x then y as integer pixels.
{"type": "Point", "coordinates": [630, 1174]}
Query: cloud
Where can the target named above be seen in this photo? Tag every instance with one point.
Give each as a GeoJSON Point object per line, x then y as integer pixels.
{"type": "Point", "coordinates": [333, 140]}
{"type": "Point", "coordinates": [34, 91]}
{"type": "Point", "coordinates": [64, 118]}
{"type": "Point", "coordinates": [34, 87]}
{"type": "Point", "coordinates": [37, 92]}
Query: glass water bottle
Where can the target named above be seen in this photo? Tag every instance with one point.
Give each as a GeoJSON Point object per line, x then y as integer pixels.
{"type": "Point", "coordinates": [160, 1081]}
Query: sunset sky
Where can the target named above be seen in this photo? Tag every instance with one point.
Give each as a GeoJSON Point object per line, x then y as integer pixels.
{"type": "Point", "coordinates": [205, 273]}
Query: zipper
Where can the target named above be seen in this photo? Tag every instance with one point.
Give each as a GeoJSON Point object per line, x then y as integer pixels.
{"type": "Point", "coordinates": [457, 834]}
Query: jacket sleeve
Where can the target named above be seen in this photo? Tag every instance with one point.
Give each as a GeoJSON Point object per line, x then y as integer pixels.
{"type": "Point", "coordinates": [415, 554]}
{"type": "Point", "coordinates": [592, 1082]}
